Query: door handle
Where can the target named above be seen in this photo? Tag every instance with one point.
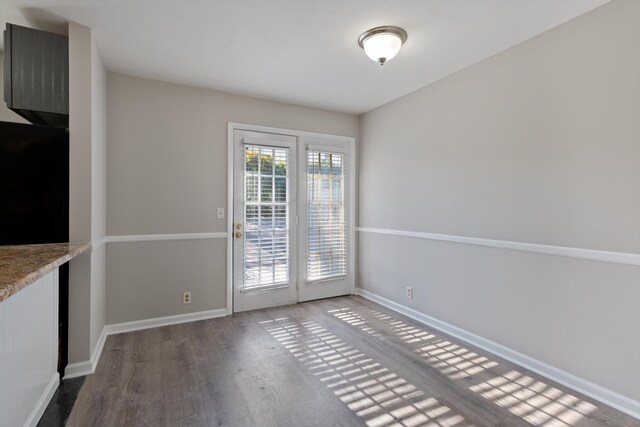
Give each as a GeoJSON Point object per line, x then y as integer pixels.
{"type": "Point", "coordinates": [238, 226]}
{"type": "Point", "coordinates": [238, 234]}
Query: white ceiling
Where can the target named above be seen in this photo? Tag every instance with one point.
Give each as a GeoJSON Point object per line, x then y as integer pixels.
{"type": "Point", "coordinates": [298, 51]}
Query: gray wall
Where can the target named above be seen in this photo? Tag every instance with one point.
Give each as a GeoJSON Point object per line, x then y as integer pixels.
{"type": "Point", "coordinates": [538, 144]}
{"type": "Point", "coordinates": [98, 192]}
{"type": "Point", "coordinates": [87, 191]}
{"type": "Point", "coordinates": [167, 173]}
{"type": "Point", "coordinates": [79, 190]}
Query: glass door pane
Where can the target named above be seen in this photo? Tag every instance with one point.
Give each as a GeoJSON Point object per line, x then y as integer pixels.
{"type": "Point", "coordinates": [326, 228]}
{"type": "Point", "coordinates": [324, 219]}
{"type": "Point", "coordinates": [266, 218]}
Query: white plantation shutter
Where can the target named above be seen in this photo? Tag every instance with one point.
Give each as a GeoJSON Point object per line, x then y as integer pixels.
{"type": "Point", "coordinates": [326, 217]}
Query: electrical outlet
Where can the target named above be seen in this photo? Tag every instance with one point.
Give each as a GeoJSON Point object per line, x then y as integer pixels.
{"type": "Point", "coordinates": [409, 292]}
{"type": "Point", "coordinates": [220, 213]}
{"type": "Point", "coordinates": [186, 297]}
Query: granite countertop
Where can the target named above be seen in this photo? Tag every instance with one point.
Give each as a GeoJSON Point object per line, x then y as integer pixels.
{"type": "Point", "coordinates": [21, 265]}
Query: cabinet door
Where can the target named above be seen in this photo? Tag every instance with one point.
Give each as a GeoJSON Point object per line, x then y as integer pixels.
{"type": "Point", "coordinates": [36, 70]}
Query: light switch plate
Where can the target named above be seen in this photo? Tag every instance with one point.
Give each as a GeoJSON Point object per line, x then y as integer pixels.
{"type": "Point", "coordinates": [220, 213]}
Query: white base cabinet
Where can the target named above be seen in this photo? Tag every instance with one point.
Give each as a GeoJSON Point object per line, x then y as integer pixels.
{"type": "Point", "coordinates": [29, 351]}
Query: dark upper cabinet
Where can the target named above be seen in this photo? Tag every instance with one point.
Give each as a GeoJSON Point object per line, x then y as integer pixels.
{"type": "Point", "coordinates": [36, 75]}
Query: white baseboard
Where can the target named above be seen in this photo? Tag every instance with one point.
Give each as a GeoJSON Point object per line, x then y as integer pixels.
{"type": "Point", "coordinates": [157, 322]}
{"type": "Point", "coordinates": [599, 393]}
{"type": "Point", "coordinates": [45, 398]}
{"type": "Point", "coordinates": [88, 367]}
{"type": "Point", "coordinates": [80, 369]}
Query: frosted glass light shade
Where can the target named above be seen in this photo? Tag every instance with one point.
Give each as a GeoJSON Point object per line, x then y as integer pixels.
{"type": "Point", "coordinates": [382, 43]}
{"type": "Point", "coordinates": [382, 47]}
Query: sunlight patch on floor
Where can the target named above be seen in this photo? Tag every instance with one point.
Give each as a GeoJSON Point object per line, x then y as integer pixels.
{"type": "Point", "coordinates": [533, 400]}
{"type": "Point", "coordinates": [355, 319]}
{"type": "Point", "coordinates": [451, 359]}
{"type": "Point", "coordinates": [370, 390]}
{"type": "Point", "coordinates": [454, 360]}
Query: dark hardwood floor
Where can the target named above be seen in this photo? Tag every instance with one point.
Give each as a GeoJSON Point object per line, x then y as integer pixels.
{"type": "Point", "coordinates": [61, 404]}
{"type": "Point", "coordinates": [337, 362]}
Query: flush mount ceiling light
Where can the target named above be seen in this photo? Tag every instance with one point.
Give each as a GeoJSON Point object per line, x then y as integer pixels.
{"type": "Point", "coordinates": [382, 43]}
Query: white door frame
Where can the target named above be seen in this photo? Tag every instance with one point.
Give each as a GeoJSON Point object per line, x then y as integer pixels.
{"type": "Point", "coordinates": [231, 127]}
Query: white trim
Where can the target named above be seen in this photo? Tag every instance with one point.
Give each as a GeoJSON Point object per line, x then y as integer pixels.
{"type": "Point", "coordinates": [155, 238]}
{"type": "Point", "coordinates": [328, 149]}
{"type": "Point", "coordinates": [88, 367]}
{"type": "Point", "coordinates": [290, 132]}
{"type": "Point", "coordinates": [138, 325]}
{"type": "Point", "coordinates": [597, 392]}
{"type": "Point", "coordinates": [80, 369]}
{"type": "Point", "coordinates": [230, 141]}
{"type": "Point", "coordinates": [98, 243]}
{"type": "Point", "coordinates": [265, 142]}
{"type": "Point", "coordinates": [159, 237]}
{"type": "Point", "coordinates": [97, 351]}
{"type": "Point", "coordinates": [327, 279]}
{"type": "Point", "coordinates": [231, 127]}
{"type": "Point", "coordinates": [43, 402]}
{"type": "Point", "coordinates": [590, 254]}
{"type": "Point", "coordinates": [353, 208]}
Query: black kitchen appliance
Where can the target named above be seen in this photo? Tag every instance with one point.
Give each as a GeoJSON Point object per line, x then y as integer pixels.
{"type": "Point", "coordinates": [34, 198]}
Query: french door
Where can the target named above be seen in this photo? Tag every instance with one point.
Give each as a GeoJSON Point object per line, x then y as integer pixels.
{"type": "Point", "coordinates": [264, 213]}
{"type": "Point", "coordinates": [290, 229]}
{"type": "Point", "coordinates": [324, 189]}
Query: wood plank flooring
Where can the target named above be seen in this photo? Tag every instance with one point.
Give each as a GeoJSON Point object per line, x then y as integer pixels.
{"type": "Point", "coordinates": [338, 362]}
